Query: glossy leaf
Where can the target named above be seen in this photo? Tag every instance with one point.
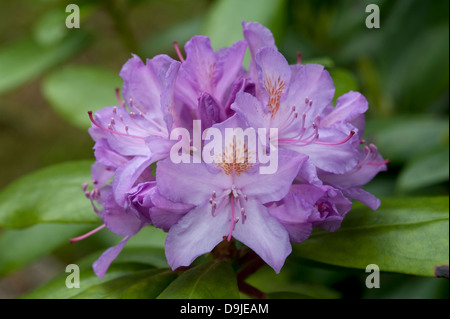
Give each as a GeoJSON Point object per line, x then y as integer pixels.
{"type": "Point", "coordinates": [75, 90]}
{"type": "Point", "coordinates": [143, 284]}
{"type": "Point", "coordinates": [405, 235]}
{"type": "Point", "coordinates": [57, 289]}
{"type": "Point", "coordinates": [50, 195]}
{"type": "Point", "coordinates": [212, 280]}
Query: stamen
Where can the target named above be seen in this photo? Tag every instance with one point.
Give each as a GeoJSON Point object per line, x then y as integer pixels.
{"type": "Point", "coordinates": [121, 102]}
{"type": "Point", "coordinates": [233, 222]}
{"type": "Point", "coordinates": [72, 240]}
{"type": "Point", "coordinates": [177, 50]}
{"type": "Point", "coordinates": [299, 57]}
{"type": "Point", "coordinates": [110, 130]}
{"type": "Point", "coordinates": [385, 162]}
{"type": "Point", "coordinates": [337, 143]}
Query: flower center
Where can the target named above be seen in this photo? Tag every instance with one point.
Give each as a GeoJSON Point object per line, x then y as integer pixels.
{"type": "Point", "coordinates": [236, 159]}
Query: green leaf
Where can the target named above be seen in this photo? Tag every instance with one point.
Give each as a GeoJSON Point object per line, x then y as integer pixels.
{"type": "Point", "coordinates": [278, 285]}
{"type": "Point", "coordinates": [57, 289]}
{"type": "Point", "coordinates": [50, 195]}
{"type": "Point", "coordinates": [223, 23]}
{"type": "Point", "coordinates": [405, 235]}
{"type": "Point", "coordinates": [75, 90]}
{"type": "Point", "coordinates": [213, 280]}
{"type": "Point", "coordinates": [25, 59]}
{"type": "Point", "coordinates": [143, 284]}
{"type": "Point", "coordinates": [425, 170]}
{"type": "Point", "coordinates": [401, 138]}
{"type": "Point", "coordinates": [32, 243]}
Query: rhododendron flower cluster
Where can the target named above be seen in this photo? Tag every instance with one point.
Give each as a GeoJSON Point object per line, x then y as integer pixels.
{"type": "Point", "coordinates": [279, 115]}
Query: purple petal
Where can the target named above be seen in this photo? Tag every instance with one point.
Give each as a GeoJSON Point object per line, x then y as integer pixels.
{"type": "Point", "coordinates": [257, 37]}
{"type": "Point", "coordinates": [229, 66]}
{"type": "Point", "coordinates": [145, 83]}
{"type": "Point", "coordinates": [311, 91]}
{"type": "Point", "coordinates": [350, 107]}
{"type": "Point", "coordinates": [250, 109]}
{"type": "Point", "coordinates": [264, 235]}
{"type": "Point", "coordinates": [339, 158]}
{"type": "Point", "coordinates": [195, 234]}
{"type": "Point", "coordinates": [123, 134]}
{"type": "Point", "coordinates": [121, 221]}
{"type": "Point", "coordinates": [190, 183]}
{"type": "Point", "coordinates": [274, 75]}
{"type": "Point", "coordinates": [127, 175]}
{"type": "Point", "coordinates": [272, 187]}
{"type": "Point", "coordinates": [362, 196]}
{"type": "Point", "coordinates": [166, 213]}
{"type": "Point", "coordinates": [210, 112]}
{"type": "Point", "coordinates": [293, 212]}
{"type": "Point", "coordinates": [102, 264]}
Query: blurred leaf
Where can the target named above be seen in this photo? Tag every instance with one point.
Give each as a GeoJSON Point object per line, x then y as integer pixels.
{"type": "Point", "coordinates": [224, 22]}
{"type": "Point", "coordinates": [401, 138]}
{"type": "Point", "coordinates": [25, 59]}
{"type": "Point", "coordinates": [395, 286]}
{"type": "Point", "coordinates": [144, 284]}
{"type": "Point", "coordinates": [279, 285]}
{"type": "Point", "coordinates": [212, 280]}
{"type": "Point", "coordinates": [425, 170]}
{"type": "Point", "coordinates": [18, 248]}
{"type": "Point", "coordinates": [163, 41]}
{"type": "Point", "coordinates": [57, 289]}
{"type": "Point", "coordinates": [75, 90]}
{"type": "Point", "coordinates": [51, 27]}
{"type": "Point", "coordinates": [50, 195]}
{"type": "Point", "coordinates": [406, 235]}
{"type": "Point", "coordinates": [421, 72]}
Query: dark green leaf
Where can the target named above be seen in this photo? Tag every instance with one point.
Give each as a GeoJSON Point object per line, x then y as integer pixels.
{"type": "Point", "coordinates": [282, 284]}
{"type": "Point", "coordinates": [214, 280]}
{"type": "Point", "coordinates": [25, 59]}
{"type": "Point", "coordinates": [405, 235]}
{"type": "Point", "coordinates": [57, 289]}
{"type": "Point", "coordinates": [75, 90]}
{"type": "Point", "coordinates": [143, 284]}
{"type": "Point", "coordinates": [50, 195]}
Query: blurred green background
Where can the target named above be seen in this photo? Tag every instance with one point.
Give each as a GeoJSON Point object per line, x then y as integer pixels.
{"type": "Point", "coordinates": [50, 76]}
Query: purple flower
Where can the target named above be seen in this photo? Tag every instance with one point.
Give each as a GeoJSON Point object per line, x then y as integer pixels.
{"type": "Point", "coordinates": [229, 200]}
{"type": "Point", "coordinates": [320, 164]}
